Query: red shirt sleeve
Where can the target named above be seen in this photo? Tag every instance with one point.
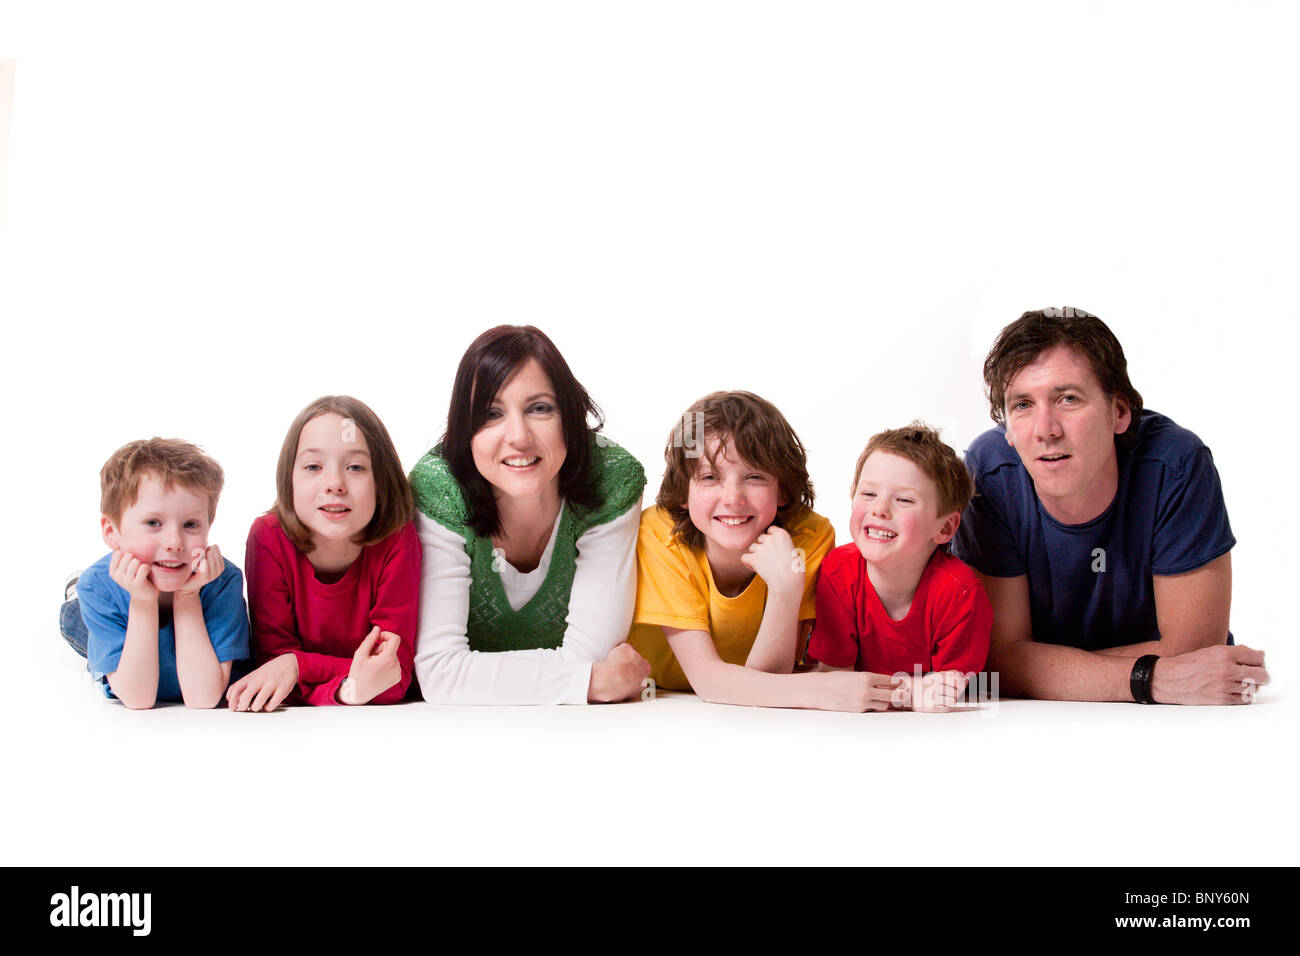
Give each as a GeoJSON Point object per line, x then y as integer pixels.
{"type": "Point", "coordinates": [384, 592]}
{"type": "Point", "coordinates": [397, 603]}
{"type": "Point", "coordinates": [319, 676]}
{"type": "Point", "coordinates": [270, 594]}
{"type": "Point", "coordinates": [834, 640]}
{"type": "Point", "coordinates": [961, 641]}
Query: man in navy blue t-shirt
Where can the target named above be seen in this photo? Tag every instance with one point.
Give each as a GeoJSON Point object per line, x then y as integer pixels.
{"type": "Point", "coordinates": [1098, 529]}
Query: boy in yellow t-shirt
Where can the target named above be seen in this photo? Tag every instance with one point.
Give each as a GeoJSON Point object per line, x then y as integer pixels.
{"type": "Point", "coordinates": [727, 565]}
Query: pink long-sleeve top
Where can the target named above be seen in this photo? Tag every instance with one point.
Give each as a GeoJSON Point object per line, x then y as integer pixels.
{"type": "Point", "coordinates": [322, 624]}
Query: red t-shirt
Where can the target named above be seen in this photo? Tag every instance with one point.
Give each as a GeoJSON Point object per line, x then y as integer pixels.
{"type": "Point", "coordinates": [946, 628]}
{"type": "Point", "coordinates": [323, 624]}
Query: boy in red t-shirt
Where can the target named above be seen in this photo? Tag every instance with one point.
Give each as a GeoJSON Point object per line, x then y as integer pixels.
{"type": "Point", "coordinates": [895, 601]}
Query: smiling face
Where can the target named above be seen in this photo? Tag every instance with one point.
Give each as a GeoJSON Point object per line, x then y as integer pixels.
{"type": "Point", "coordinates": [730, 501]}
{"type": "Point", "coordinates": [520, 449]}
{"type": "Point", "coordinates": [895, 520]}
{"type": "Point", "coordinates": [163, 528]}
{"type": "Point", "coordinates": [333, 481]}
{"type": "Point", "coordinates": [1063, 426]}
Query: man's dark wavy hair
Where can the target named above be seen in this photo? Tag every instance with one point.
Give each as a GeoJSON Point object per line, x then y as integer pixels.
{"type": "Point", "coordinates": [1024, 340]}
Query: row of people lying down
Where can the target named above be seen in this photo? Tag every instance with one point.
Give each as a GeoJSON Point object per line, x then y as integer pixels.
{"type": "Point", "coordinates": [509, 565]}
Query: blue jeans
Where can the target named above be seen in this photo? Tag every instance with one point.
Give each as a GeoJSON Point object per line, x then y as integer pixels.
{"type": "Point", "coordinates": [72, 626]}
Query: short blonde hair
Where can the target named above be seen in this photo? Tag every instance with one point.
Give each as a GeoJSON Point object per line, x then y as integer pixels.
{"type": "Point", "coordinates": [172, 461]}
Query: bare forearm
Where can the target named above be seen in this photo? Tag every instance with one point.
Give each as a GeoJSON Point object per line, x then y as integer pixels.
{"type": "Point", "coordinates": [1055, 672]}
{"type": "Point", "coordinates": [200, 674]}
{"type": "Point", "coordinates": [1133, 651]}
{"type": "Point", "coordinates": [1167, 647]}
{"type": "Point", "coordinates": [1192, 617]}
{"type": "Point", "coordinates": [1192, 612]}
{"type": "Point", "coordinates": [721, 683]}
{"type": "Point", "coordinates": [778, 635]}
{"type": "Point", "coordinates": [135, 682]}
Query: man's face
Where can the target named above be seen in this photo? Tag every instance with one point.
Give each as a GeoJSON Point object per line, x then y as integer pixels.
{"type": "Point", "coordinates": [1063, 426]}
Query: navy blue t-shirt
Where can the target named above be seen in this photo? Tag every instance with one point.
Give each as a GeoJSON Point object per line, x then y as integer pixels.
{"type": "Point", "coordinates": [1090, 584]}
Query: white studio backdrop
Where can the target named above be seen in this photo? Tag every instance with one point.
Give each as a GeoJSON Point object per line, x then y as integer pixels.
{"type": "Point", "coordinates": [211, 217]}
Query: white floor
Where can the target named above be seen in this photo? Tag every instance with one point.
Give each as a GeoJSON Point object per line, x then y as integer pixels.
{"type": "Point", "coordinates": [671, 780]}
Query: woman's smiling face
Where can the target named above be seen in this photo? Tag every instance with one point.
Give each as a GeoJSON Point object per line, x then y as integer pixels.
{"type": "Point", "coordinates": [520, 449]}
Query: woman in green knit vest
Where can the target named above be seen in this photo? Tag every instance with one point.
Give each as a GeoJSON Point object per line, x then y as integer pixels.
{"type": "Point", "coordinates": [528, 521]}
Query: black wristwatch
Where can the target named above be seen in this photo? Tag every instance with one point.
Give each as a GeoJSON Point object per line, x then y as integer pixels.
{"type": "Point", "coordinates": [1139, 680]}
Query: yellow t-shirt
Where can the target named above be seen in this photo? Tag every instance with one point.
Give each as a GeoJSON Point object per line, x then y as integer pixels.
{"type": "Point", "coordinates": [674, 588]}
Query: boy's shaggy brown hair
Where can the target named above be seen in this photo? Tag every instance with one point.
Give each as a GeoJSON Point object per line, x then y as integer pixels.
{"type": "Point", "coordinates": [746, 426]}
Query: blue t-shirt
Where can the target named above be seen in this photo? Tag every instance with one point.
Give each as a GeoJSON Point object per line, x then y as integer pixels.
{"type": "Point", "coordinates": [1090, 584]}
{"type": "Point", "coordinates": [104, 608]}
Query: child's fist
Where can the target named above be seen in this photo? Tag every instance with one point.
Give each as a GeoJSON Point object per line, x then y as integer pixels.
{"type": "Point", "coordinates": [936, 693]}
{"type": "Point", "coordinates": [375, 667]}
{"type": "Point", "coordinates": [775, 559]}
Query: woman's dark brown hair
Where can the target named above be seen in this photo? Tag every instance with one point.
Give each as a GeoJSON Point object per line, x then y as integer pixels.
{"type": "Point", "coordinates": [394, 503]}
{"type": "Point", "coordinates": [748, 426]}
{"type": "Point", "coordinates": [486, 366]}
{"type": "Point", "coordinates": [1024, 340]}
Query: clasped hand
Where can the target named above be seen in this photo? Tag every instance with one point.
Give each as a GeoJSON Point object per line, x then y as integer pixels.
{"type": "Point", "coordinates": [774, 558]}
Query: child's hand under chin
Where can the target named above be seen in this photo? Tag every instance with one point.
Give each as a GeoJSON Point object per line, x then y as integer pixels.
{"type": "Point", "coordinates": [132, 575]}
{"type": "Point", "coordinates": [206, 564]}
{"type": "Point", "coordinates": [774, 558]}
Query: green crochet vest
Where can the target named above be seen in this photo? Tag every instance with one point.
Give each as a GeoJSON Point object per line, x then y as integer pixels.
{"type": "Point", "coordinates": [493, 624]}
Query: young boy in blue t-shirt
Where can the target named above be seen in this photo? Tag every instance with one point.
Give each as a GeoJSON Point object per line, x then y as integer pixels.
{"type": "Point", "coordinates": [163, 614]}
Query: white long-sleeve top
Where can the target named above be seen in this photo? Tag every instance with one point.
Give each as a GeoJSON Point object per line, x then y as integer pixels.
{"type": "Point", "coordinates": [600, 614]}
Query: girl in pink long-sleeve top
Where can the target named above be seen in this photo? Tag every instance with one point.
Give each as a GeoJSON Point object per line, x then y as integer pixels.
{"type": "Point", "coordinates": [334, 568]}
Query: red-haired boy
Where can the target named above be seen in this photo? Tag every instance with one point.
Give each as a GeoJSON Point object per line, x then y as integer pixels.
{"type": "Point", "coordinates": [894, 601]}
{"type": "Point", "coordinates": [163, 615]}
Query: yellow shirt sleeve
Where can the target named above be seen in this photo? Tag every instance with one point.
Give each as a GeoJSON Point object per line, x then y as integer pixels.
{"type": "Point", "coordinates": [669, 588]}
{"type": "Point", "coordinates": [816, 535]}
